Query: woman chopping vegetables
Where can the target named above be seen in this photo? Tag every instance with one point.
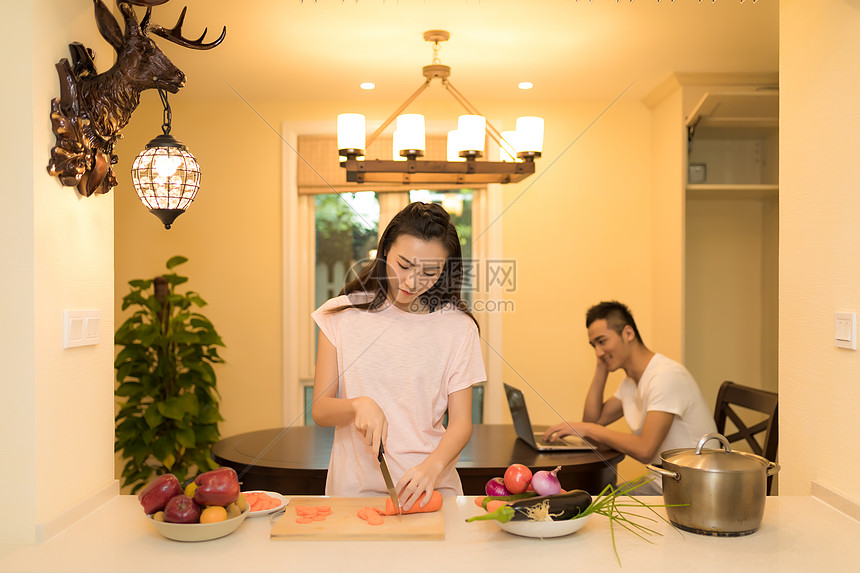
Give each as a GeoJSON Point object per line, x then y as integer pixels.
{"type": "Point", "coordinates": [397, 349]}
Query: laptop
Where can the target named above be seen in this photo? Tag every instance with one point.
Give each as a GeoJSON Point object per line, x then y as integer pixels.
{"type": "Point", "coordinates": [523, 427]}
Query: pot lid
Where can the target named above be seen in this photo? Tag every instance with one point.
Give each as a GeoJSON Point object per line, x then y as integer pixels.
{"type": "Point", "coordinates": [724, 460]}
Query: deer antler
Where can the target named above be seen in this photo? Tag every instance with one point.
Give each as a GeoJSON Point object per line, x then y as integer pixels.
{"type": "Point", "coordinates": [175, 34]}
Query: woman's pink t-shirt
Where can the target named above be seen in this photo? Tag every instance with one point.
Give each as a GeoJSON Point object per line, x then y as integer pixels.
{"type": "Point", "coordinates": [408, 363]}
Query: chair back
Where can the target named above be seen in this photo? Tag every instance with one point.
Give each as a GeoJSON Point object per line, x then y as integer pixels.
{"type": "Point", "coordinates": [767, 430]}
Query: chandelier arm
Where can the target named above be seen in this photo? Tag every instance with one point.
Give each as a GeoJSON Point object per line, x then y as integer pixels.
{"type": "Point", "coordinates": [495, 134]}
{"type": "Point", "coordinates": [397, 112]}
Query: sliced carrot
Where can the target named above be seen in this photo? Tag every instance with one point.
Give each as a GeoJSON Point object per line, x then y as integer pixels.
{"type": "Point", "coordinates": [374, 519]}
{"type": "Point", "coordinates": [362, 513]}
{"type": "Point", "coordinates": [375, 510]}
{"type": "Point", "coordinates": [323, 508]}
{"type": "Point", "coordinates": [306, 510]}
{"type": "Point", "coordinates": [435, 504]}
{"type": "Point", "coordinates": [304, 520]}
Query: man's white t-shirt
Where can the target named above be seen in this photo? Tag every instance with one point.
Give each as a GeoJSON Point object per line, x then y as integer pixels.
{"type": "Point", "coordinates": [408, 363]}
{"type": "Point", "coordinates": [667, 386]}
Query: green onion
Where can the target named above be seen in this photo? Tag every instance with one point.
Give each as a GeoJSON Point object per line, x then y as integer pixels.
{"type": "Point", "coordinates": [607, 504]}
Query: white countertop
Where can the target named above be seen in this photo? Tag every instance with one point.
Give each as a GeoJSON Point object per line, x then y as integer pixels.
{"type": "Point", "coordinates": [797, 534]}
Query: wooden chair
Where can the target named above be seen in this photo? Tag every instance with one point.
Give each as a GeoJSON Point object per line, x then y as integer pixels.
{"type": "Point", "coordinates": [732, 394]}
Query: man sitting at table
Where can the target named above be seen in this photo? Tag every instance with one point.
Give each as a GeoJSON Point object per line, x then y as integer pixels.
{"type": "Point", "coordinates": [659, 398]}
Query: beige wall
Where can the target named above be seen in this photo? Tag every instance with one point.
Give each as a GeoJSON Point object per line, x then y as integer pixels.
{"type": "Point", "coordinates": [819, 254]}
{"type": "Point", "coordinates": [57, 253]}
{"type": "Point", "coordinates": [730, 283]}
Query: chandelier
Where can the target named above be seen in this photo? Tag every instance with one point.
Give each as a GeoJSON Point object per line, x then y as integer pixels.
{"type": "Point", "coordinates": [165, 174]}
{"type": "Point", "coordinates": [518, 149]}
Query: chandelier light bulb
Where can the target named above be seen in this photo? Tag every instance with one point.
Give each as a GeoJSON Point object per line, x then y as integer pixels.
{"type": "Point", "coordinates": [350, 132]}
{"type": "Point", "coordinates": [411, 129]}
{"type": "Point", "coordinates": [529, 135]}
{"type": "Point", "coordinates": [472, 129]}
{"type": "Point", "coordinates": [166, 165]}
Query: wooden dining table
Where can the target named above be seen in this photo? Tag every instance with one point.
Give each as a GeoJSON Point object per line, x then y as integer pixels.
{"type": "Point", "coordinates": [295, 460]}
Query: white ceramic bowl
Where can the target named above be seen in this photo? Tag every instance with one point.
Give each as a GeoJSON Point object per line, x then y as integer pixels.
{"type": "Point", "coordinates": [199, 531]}
{"type": "Point", "coordinates": [544, 529]}
{"type": "Point", "coordinates": [284, 501]}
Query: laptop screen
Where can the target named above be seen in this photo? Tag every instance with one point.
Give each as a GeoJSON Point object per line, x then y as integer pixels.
{"type": "Point", "coordinates": [519, 414]}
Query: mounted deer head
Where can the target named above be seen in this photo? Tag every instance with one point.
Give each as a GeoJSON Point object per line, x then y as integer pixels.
{"type": "Point", "coordinates": [93, 108]}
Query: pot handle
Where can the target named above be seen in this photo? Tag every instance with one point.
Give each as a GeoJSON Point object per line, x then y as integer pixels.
{"type": "Point", "coordinates": [772, 468]}
{"type": "Point", "coordinates": [665, 473]}
{"type": "Point", "coordinates": [713, 436]}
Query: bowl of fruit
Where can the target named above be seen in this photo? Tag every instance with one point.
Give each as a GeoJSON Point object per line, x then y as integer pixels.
{"type": "Point", "coordinates": [208, 508]}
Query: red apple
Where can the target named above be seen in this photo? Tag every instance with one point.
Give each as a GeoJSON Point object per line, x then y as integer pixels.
{"type": "Point", "coordinates": [158, 492]}
{"type": "Point", "coordinates": [181, 509]}
{"type": "Point", "coordinates": [217, 487]}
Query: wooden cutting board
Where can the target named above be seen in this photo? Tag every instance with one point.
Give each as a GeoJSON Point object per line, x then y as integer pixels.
{"type": "Point", "coordinates": [344, 524]}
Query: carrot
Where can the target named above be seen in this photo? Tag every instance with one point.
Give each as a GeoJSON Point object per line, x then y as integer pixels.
{"type": "Point", "coordinates": [494, 505]}
{"type": "Point", "coordinates": [306, 510]}
{"type": "Point", "coordinates": [479, 501]}
{"type": "Point", "coordinates": [362, 513]}
{"type": "Point", "coordinates": [304, 520]}
{"type": "Point", "coordinates": [323, 509]}
{"type": "Point", "coordinates": [435, 504]}
{"type": "Point", "coordinates": [374, 518]}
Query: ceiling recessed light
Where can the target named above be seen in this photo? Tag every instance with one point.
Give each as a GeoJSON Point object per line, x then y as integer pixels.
{"type": "Point", "coordinates": [526, 85]}
{"type": "Point", "coordinates": [367, 85]}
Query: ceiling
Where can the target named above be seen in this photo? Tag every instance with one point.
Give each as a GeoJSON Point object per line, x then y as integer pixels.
{"type": "Point", "coordinates": [289, 50]}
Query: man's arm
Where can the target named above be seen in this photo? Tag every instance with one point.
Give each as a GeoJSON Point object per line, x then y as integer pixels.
{"type": "Point", "coordinates": [595, 407]}
{"type": "Point", "coordinates": [643, 447]}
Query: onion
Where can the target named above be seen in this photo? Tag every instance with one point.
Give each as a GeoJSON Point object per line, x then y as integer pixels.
{"type": "Point", "coordinates": [546, 483]}
{"type": "Point", "coordinates": [496, 487]}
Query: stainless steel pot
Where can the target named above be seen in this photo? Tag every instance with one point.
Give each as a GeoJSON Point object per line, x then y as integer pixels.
{"type": "Point", "coordinates": [720, 492]}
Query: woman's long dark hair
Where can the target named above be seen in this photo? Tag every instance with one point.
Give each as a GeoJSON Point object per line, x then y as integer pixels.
{"type": "Point", "coordinates": [428, 222]}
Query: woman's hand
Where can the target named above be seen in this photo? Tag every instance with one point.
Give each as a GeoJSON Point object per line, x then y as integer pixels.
{"type": "Point", "coordinates": [370, 421]}
{"type": "Point", "coordinates": [417, 480]}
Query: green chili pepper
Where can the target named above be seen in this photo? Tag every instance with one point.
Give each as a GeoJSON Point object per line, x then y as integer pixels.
{"type": "Point", "coordinates": [504, 514]}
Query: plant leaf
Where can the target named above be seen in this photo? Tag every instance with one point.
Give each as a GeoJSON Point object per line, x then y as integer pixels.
{"type": "Point", "coordinates": [186, 437]}
{"type": "Point", "coordinates": [176, 261]}
{"type": "Point", "coordinates": [171, 408]}
{"type": "Point", "coordinates": [152, 416]}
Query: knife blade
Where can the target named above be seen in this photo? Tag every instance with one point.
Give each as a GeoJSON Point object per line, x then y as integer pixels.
{"type": "Point", "coordinates": [389, 483]}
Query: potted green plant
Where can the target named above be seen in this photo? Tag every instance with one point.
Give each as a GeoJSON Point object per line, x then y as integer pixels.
{"type": "Point", "coordinates": [168, 416]}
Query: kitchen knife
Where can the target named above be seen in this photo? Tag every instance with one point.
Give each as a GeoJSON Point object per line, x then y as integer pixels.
{"type": "Point", "coordinates": [389, 483]}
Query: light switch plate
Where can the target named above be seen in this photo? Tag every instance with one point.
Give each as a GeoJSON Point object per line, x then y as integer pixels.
{"type": "Point", "coordinates": [845, 330]}
{"type": "Point", "coordinates": [80, 328]}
